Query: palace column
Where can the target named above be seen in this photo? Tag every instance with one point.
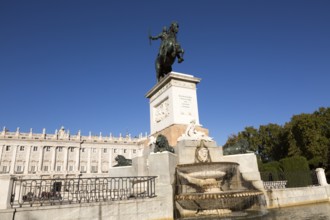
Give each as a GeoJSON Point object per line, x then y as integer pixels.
{"type": "Point", "coordinates": [1, 149]}
{"type": "Point", "coordinates": [88, 160]}
{"type": "Point", "coordinates": [27, 160]}
{"type": "Point", "coordinates": [65, 159]}
{"type": "Point", "coordinates": [53, 159]}
{"type": "Point", "coordinates": [41, 159]}
{"type": "Point", "coordinates": [110, 158]}
{"type": "Point", "coordinates": [99, 166]}
{"type": "Point", "coordinates": [77, 159]}
{"type": "Point", "coordinates": [13, 159]}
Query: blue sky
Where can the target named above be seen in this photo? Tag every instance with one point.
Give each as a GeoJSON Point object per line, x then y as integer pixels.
{"type": "Point", "coordinates": [88, 64]}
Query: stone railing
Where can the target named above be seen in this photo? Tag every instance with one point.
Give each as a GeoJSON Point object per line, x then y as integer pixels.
{"type": "Point", "coordinates": [46, 192]}
{"type": "Point", "coordinates": [275, 184]}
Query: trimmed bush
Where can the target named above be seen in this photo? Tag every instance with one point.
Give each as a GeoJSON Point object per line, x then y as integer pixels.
{"type": "Point", "coordinates": [271, 171]}
{"type": "Point", "coordinates": [296, 171]}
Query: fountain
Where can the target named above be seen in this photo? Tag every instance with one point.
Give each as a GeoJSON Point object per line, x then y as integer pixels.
{"type": "Point", "coordinates": [203, 182]}
{"type": "Point", "coordinates": [212, 189]}
{"type": "Point", "coordinates": [207, 186]}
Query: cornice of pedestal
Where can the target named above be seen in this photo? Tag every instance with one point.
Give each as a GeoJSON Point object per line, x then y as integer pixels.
{"type": "Point", "coordinates": [172, 76]}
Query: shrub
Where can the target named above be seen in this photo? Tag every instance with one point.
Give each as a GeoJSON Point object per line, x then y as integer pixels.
{"type": "Point", "coordinates": [270, 171]}
{"type": "Point", "coordinates": [296, 171]}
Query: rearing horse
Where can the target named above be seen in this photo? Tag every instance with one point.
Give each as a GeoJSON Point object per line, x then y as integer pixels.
{"type": "Point", "coordinates": [168, 51]}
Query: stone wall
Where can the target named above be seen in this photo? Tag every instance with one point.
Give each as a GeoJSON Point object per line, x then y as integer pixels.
{"type": "Point", "coordinates": [143, 209]}
{"type": "Point", "coordinates": [277, 198]}
{"type": "Point", "coordinates": [248, 167]}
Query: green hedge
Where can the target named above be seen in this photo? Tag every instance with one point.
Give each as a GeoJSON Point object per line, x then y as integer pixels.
{"type": "Point", "coordinates": [296, 171]}
{"type": "Point", "coordinates": [293, 169]}
{"type": "Point", "coordinates": [270, 171]}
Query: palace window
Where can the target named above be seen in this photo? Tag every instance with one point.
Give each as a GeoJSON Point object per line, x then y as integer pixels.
{"type": "Point", "coordinates": [94, 169]}
{"type": "Point", "coordinates": [57, 186]}
{"type": "Point", "coordinates": [105, 150]}
{"type": "Point", "coordinates": [4, 169]}
{"type": "Point", "coordinates": [70, 168]}
{"type": "Point", "coordinates": [94, 150]}
{"type": "Point", "coordinates": [71, 149]}
{"type": "Point", "coordinates": [35, 148]}
{"type": "Point", "coordinates": [125, 150]}
{"type": "Point", "coordinates": [21, 148]}
{"type": "Point", "coordinates": [115, 150]}
{"type": "Point", "coordinates": [58, 168]}
{"type": "Point", "coordinates": [45, 168]}
{"type": "Point", "coordinates": [48, 148]}
{"type": "Point", "coordinates": [134, 151]}
{"type": "Point", "coordinates": [19, 169]}
{"type": "Point", "coordinates": [83, 150]}
{"type": "Point", "coordinates": [82, 169]}
{"type": "Point", "coordinates": [33, 168]}
{"type": "Point", "coordinates": [7, 148]}
{"type": "Point", "coordinates": [60, 149]}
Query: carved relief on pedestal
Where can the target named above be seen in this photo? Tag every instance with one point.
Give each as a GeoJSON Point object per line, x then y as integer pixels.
{"type": "Point", "coordinates": [192, 134]}
{"type": "Point", "coordinates": [202, 154]}
{"type": "Point", "coordinates": [161, 111]}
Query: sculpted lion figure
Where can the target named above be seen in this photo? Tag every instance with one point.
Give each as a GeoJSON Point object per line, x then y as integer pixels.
{"type": "Point", "coordinates": [122, 161]}
{"type": "Point", "coordinates": [162, 144]}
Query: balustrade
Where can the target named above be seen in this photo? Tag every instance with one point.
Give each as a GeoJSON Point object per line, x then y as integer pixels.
{"type": "Point", "coordinates": [45, 192]}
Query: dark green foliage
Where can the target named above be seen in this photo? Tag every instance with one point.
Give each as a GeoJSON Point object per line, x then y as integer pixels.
{"type": "Point", "coordinates": [296, 171]}
{"type": "Point", "coordinates": [240, 147]}
{"type": "Point", "coordinates": [306, 135]}
{"type": "Point", "coordinates": [271, 171]}
{"type": "Point", "coordinates": [293, 169]}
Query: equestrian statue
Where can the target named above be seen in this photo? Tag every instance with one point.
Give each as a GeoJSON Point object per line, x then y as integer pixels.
{"type": "Point", "coordinates": [168, 51]}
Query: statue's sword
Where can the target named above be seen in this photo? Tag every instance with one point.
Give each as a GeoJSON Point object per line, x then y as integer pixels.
{"type": "Point", "coordinates": [149, 33]}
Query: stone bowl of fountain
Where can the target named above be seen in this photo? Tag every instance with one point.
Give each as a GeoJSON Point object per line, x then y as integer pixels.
{"type": "Point", "coordinates": [207, 177]}
{"type": "Point", "coordinates": [213, 186]}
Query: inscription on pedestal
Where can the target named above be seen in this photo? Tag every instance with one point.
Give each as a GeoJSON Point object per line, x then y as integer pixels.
{"type": "Point", "coordinates": [185, 101]}
{"type": "Point", "coordinates": [185, 104]}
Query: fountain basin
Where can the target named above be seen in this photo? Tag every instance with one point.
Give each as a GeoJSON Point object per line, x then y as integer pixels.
{"type": "Point", "coordinates": [209, 201]}
{"type": "Point", "coordinates": [207, 177]}
{"type": "Point", "coordinates": [208, 170]}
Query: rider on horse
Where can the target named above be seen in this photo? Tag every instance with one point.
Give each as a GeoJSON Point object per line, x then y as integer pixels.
{"type": "Point", "coordinates": [168, 51]}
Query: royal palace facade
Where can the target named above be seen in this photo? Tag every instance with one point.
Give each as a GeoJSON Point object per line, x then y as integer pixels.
{"type": "Point", "coordinates": [60, 154]}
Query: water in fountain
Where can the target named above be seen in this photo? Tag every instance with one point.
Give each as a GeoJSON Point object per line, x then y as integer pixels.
{"type": "Point", "coordinates": [214, 189]}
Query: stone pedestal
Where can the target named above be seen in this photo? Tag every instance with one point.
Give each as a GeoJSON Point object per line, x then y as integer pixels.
{"type": "Point", "coordinates": [187, 151]}
{"type": "Point", "coordinates": [163, 166]}
{"type": "Point", "coordinates": [173, 132]}
{"type": "Point", "coordinates": [5, 190]}
{"type": "Point", "coordinates": [321, 177]}
{"type": "Point", "coordinates": [173, 101]}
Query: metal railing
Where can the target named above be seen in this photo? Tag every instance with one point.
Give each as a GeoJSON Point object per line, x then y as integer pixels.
{"type": "Point", "coordinates": [280, 180]}
{"type": "Point", "coordinates": [268, 185]}
{"type": "Point", "coordinates": [45, 192]}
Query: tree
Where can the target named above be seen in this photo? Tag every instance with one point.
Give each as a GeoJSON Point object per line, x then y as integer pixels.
{"type": "Point", "coordinates": [271, 142]}
{"type": "Point", "coordinates": [306, 135]}
{"type": "Point", "coordinates": [310, 134]}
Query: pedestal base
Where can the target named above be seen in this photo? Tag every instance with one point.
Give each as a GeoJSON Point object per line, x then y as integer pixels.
{"type": "Point", "coordinates": [187, 151]}
{"type": "Point", "coordinates": [173, 132]}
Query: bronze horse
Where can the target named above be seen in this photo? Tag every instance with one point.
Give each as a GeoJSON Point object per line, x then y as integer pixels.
{"type": "Point", "coordinates": [168, 51]}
